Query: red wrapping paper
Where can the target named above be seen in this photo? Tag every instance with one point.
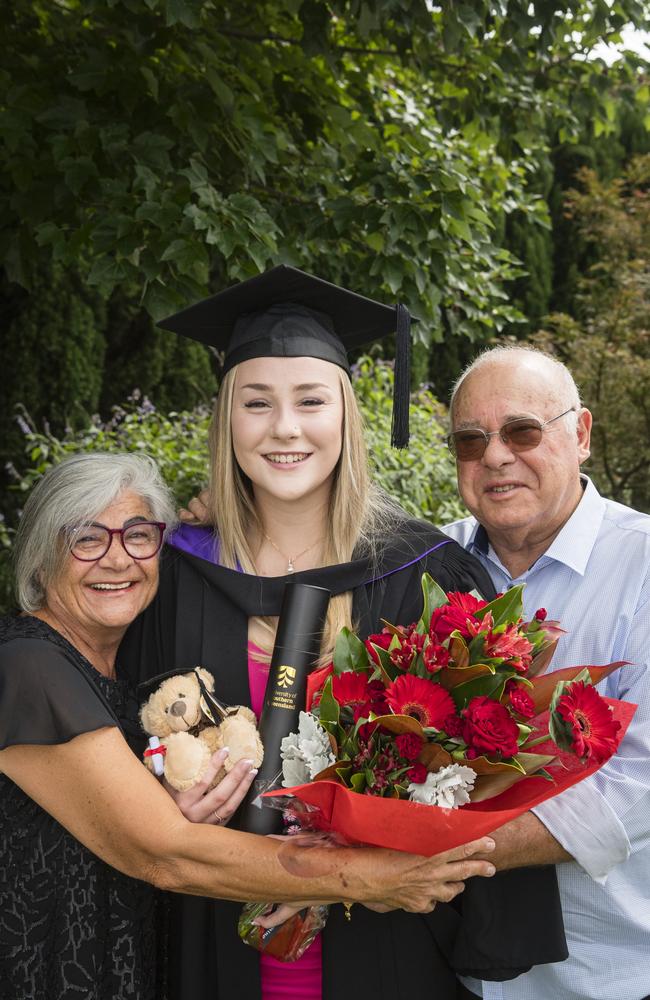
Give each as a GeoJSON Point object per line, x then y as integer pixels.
{"type": "Point", "coordinates": [427, 830]}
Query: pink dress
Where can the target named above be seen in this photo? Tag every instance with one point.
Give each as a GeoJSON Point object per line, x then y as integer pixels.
{"type": "Point", "coordinates": [299, 980]}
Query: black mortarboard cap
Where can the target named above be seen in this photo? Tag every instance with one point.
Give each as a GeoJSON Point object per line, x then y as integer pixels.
{"type": "Point", "coordinates": [286, 312]}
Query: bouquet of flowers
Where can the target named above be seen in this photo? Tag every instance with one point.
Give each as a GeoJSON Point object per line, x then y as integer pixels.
{"type": "Point", "coordinates": [420, 738]}
{"type": "Point", "coordinates": [453, 712]}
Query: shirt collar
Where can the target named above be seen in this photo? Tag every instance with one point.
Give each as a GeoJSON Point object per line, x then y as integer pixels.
{"type": "Point", "coordinates": [574, 544]}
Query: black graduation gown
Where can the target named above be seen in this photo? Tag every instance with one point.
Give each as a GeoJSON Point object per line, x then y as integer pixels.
{"type": "Point", "coordinates": [200, 616]}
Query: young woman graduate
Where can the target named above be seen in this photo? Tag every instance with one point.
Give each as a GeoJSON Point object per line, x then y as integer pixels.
{"type": "Point", "coordinates": [290, 494]}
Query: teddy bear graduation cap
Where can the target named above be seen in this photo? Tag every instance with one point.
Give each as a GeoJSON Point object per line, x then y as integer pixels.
{"type": "Point", "coordinates": [286, 312]}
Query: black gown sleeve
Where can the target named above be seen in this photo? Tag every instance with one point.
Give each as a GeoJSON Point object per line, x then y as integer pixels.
{"type": "Point", "coordinates": [45, 698]}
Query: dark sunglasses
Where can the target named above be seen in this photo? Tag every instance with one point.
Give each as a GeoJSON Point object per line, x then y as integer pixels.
{"type": "Point", "coordinates": [522, 434]}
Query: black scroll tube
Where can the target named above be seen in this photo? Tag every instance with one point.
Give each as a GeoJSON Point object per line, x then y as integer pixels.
{"type": "Point", "coordinates": [296, 650]}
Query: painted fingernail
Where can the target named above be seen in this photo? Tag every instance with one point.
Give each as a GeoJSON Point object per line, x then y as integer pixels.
{"type": "Point", "coordinates": [253, 772]}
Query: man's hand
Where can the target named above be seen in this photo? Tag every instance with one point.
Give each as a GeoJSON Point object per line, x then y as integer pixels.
{"type": "Point", "coordinates": [196, 511]}
{"type": "Point", "coordinates": [526, 841]}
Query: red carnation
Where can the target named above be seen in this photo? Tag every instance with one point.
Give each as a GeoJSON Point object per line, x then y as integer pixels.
{"type": "Point", "coordinates": [455, 615]}
{"type": "Point", "coordinates": [420, 698]}
{"type": "Point", "coordinates": [453, 726]}
{"type": "Point", "coordinates": [521, 701]}
{"type": "Point", "coordinates": [409, 746]}
{"type": "Point", "coordinates": [448, 619]}
{"type": "Point", "coordinates": [593, 730]}
{"type": "Point", "coordinates": [417, 774]}
{"type": "Point", "coordinates": [489, 728]}
{"type": "Point", "coordinates": [466, 602]}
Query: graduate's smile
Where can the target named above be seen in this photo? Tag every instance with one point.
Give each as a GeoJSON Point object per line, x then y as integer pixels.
{"type": "Point", "coordinates": [287, 459]}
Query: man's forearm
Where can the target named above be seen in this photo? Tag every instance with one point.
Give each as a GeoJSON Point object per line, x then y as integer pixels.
{"type": "Point", "coordinates": [526, 841]}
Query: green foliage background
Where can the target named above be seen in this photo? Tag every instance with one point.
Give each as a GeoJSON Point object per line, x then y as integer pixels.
{"type": "Point", "coordinates": [422, 478]}
{"type": "Point", "coordinates": [154, 151]}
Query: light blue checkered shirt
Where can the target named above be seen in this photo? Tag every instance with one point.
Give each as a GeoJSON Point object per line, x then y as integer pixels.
{"type": "Point", "coordinates": [595, 578]}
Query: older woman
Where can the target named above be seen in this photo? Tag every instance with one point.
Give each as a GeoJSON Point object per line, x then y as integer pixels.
{"type": "Point", "coordinates": [83, 825]}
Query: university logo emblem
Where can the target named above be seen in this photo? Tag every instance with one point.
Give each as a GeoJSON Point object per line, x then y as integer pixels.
{"type": "Point", "coordinates": [286, 677]}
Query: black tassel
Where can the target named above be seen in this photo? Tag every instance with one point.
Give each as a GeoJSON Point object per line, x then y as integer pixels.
{"type": "Point", "coordinates": [402, 389]}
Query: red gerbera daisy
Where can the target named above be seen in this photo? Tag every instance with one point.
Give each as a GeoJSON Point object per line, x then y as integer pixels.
{"type": "Point", "coordinates": [593, 730]}
{"type": "Point", "coordinates": [350, 688]}
{"type": "Point", "coordinates": [420, 698]}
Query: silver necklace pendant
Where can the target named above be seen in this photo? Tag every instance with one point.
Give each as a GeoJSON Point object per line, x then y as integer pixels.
{"type": "Point", "coordinates": [290, 567]}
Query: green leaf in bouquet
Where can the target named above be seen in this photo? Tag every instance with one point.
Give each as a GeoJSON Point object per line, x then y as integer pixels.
{"type": "Point", "coordinates": [524, 732]}
{"type": "Point", "coordinates": [541, 660]}
{"type": "Point", "coordinates": [400, 724]}
{"type": "Point", "coordinates": [490, 685]}
{"type": "Point", "coordinates": [329, 709]}
{"type": "Point", "coordinates": [484, 766]}
{"type": "Point", "coordinates": [350, 653]}
{"type": "Point", "coordinates": [358, 782]}
{"type": "Point", "coordinates": [434, 756]}
{"type": "Point", "coordinates": [507, 608]}
{"type": "Point", "coordinates": [475, 648]}
{"type": "Point", "coordinates": [497, 777]}
{"type": "Point", "coordinates": [337, 771]}
{"type": "Point", "coordinates": [452, 677]}
{"type": "Point", "coordinates": [384, 669]}
{"type": "Point", "coordinates": [433, 597]}
{"type": "Point", "coordinates": [458, 650]}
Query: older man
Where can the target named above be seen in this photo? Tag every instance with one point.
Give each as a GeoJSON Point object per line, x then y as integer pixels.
{"type": "Point", "coordinates": [520, 436]}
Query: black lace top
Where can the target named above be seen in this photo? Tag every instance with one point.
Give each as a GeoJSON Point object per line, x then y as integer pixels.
{"type": "Point", "coordinates": [71, 927]}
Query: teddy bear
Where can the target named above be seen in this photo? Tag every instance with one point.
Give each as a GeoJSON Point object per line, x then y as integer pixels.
{"type": "Point", "coordinates": [191, 725]}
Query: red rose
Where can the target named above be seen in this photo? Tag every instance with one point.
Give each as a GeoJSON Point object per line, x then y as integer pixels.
{"type": "Point", "coordinates": [489, 728]}
{"type": "Point", "coordinates": [409, 746]}
{"type": "Point", "coordinates": [417, 774]}
{"type": "Point", "coordinates": [521, 701]}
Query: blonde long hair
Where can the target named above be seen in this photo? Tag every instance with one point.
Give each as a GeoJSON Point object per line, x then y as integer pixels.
{"type": "Point", "coordinates": [359, 512]}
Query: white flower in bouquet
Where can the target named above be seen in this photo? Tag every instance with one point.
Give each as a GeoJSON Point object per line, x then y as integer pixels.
{"type": "Point", "coordinates": [305, 753]}
{"type": "Point", "coordinates": [449, 787]}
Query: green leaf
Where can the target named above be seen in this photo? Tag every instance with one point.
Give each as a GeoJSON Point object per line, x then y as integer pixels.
{"type": "Point", "coordinates": [328, 707]}
{"type": "Point", "coordinates": [349, 653]}
{"type": "Point", "coordinates": [491, 685]}
{"type": "Point", "coordinates": [433, 597]}
{"type": "Point", "coordinates": [507, 608]}
{"type": "Point", "coordinates": [358, 782]}
{"type": "Point", "coordinates": [185, 12]}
